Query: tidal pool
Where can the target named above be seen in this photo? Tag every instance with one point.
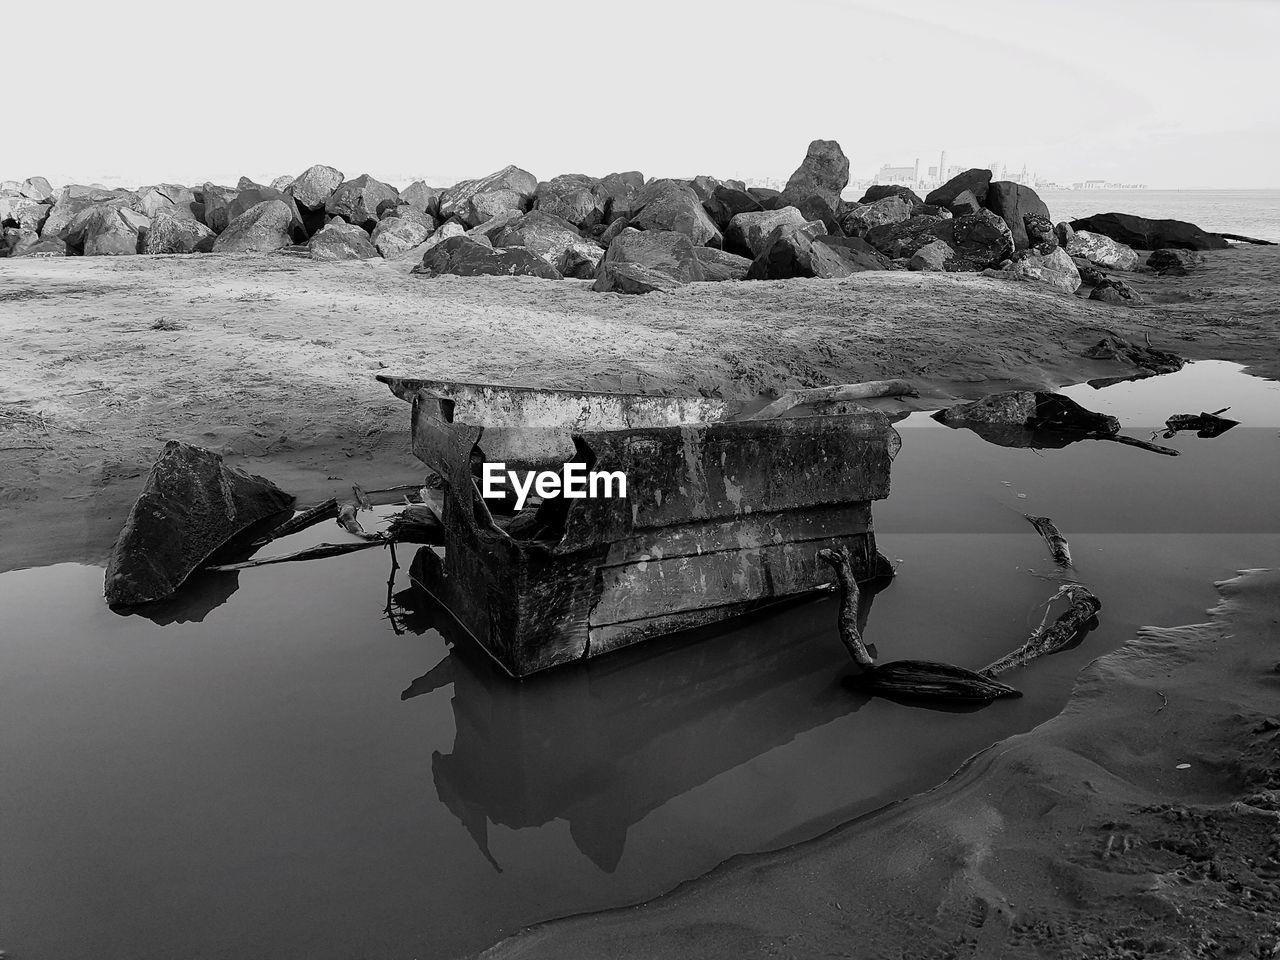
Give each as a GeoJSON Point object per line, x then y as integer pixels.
{"type": "Point", "coordinates": [289, 762]}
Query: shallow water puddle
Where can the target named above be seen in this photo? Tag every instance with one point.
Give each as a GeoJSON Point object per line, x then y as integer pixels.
{"type": "Point", "coordinates": [269, 769]}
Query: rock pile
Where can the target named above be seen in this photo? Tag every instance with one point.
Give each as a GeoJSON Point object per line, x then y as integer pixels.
{"type": "Point", "coordinates": [624, 233]}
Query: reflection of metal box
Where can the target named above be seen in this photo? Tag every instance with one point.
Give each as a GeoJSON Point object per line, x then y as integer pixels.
{"type": "Point", "coordinates": [720, 514]}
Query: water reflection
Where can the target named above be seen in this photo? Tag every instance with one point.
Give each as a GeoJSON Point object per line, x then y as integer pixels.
{"type": "Point", "coordinates": [603, 744]}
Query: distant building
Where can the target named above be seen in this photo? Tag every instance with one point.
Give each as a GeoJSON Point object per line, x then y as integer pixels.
{"type": "Point", "coordinates": [902, 175]}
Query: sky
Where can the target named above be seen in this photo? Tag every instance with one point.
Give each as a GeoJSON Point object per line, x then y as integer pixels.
{"type": "Point", "coordinates": [1170, 93]}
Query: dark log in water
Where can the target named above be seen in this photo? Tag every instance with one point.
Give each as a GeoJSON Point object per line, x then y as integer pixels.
{"type": "Point", "coordinates": [1144, 444]}
{"type": "Point", "coordinates": [1056, 636]}
{"type": "Point", "coordinates": [1058, 547]}
{"type": "Point", "coordinates": [301, 521]}
{"type": "Point", "coordinates": [922, 679]}
{"type": "Point", "coordinates": [318, 552]}
{"type": "Point", "coordinates": [347, 520]}
{"type": "Point", "coordinates": [1204, 424]}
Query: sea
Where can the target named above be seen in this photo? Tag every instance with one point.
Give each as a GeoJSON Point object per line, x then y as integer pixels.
{"type": "Point", "coordinates": [1252, 213]}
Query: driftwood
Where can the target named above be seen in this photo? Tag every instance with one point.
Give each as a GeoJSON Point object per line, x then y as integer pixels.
{"type": "Point", "coordinates": [1204, 424]}
{"type": "Point", "coordinates": [1054, 637]}
{"type": "Point", "coordinates": [416, 524]}
{"type": "Point", "coordinates": [1240, 238]}
{"type": "Point", "coordinates": [845, 391]}
{"type": "Point", "coordinates": [1058, 547]}
{"type": "Point", "coordinates": [1143, 444]}
{"type": "Point", "coordinates": [347, 520]}
{"type": "Point", "coordinates": [319, 551]}
{"type": "Point", "coordinates": [362, 498]}
{"type": "Point", "coordinates": [300, 521]}
{"type": "Point", "coordinates": [923, 679]}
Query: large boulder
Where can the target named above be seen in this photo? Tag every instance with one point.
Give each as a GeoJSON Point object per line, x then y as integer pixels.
{"type": "Point", "coordinates": [110, 230]}
{"type": "Point", "coordinates": [394, 235]}
{"type": "Point", "coordinates": [251, 194]}
{"type": "Point", "coordinates": [356, 201]}
{"type": "Point", "coordinates": [24, 213]}
{"type": "Point", "coordinates": [1117, 292]}
{"type": "Point", "coordinates": [618, 191]}
{"type": "Point", "coordinates": [646, 261]}
{"type": "Point", "coordinates": [1174, 262]}
{"type": "Point", "coordinates": [172, 233]}
{"type": "Point", "coordinates": [262, 228]}
{"type": "Point", "coordinates": [571, 197]}
{"type": "Point", "coordinates": [1015, 203]}
{"type": "Point", "coordinates": [767, 196]}
{"type": "Point", "coordinates": [973, 182]}
{"type": "Point", "coordinates": [932, 256]}
{"type": "Point", "coordinates": [32, 245]}
{"type": "Point", "coordinates": [36, 188]}
{"type": "Point", "coordinates": [824, 173]}
{"type": "Point", "coordinates": [64, 210]}
{"type": "Point", "coordinates": [491, 228]}
{"type": "Point", "coordinates": [475, 201]}
{"type": "Point", "coordinates": [726, 202]}
{"type": "Point", "coordinates": [465, 257]}
{"type": "Point", "coordinates": [903, 238]}
{"type": "Point", "coordinates": [720, 265]}
{"type": "Point", "coordinates": [423, 198]}
{"type": "Point", "coordinates": [339, 240]}
{"type": "Point", "coordinates": [807, 252]}
{"type": "Point", "coordinates": [312, 189]}
{"type": "Point", "coordinates": [216, 203]}
{"type": "Point", "coordinates": [1054, 269]}
{"type": "Point", "coordinates": [169, 198]}
{"type": "Point", "coordinates": [1144, 234]}
{"type": "Point", "coordinates": [979, 240]}
{"type": "Point", "coordinates": [878, 191]}
{"type": "Point", "coordinates": [556, 241]}
{"type": "Point", "coordinates": [192, 504]}
{"type": "Point", "coordinates": [671, 205]}
{"type": "Point", "coordinates": [749, 233]}
{"type": "Point", "coordinates": [876, 213]}
{"type": "Point", "coordinates": [1098, 249]}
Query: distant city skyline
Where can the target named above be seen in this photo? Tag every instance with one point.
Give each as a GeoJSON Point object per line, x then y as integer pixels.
{"type": "Point", "coordinates": [1176, 94]}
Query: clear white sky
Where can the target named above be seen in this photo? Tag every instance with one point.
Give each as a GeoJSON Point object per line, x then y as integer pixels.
{"type": "Point", "coordinates": [1173, 93]}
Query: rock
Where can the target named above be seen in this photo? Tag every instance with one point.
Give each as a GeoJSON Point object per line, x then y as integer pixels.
{"type": "Point", "coordinates": [1174, 262]}
{"type": "Point", "coordinates": [727, 202]}
{"type": "Point", "coordinates": [767, 196]}
{"type": "Point", "coordinates": [618, 191]}
{"type": "Point", "coordinates": [979, 239]}
{"type": "Point", "coordinates": [314, 187]}
{"type": "Point", "coordinates": [465, 257]}
{"type": "Point", "coordinates": [1144, 234]}
{"type": "Point", "coordinates": [647, 261]}
{"type": "Point", "coordinates": [476, 201]}
{"type": "Point", "coordinates": [904, 238]}
{"type": "Point", "coordinates": [1013, 202]}
{"type": "Point", "coordinates": [192, 504]}
{"type": "Point", "coordinates": [703, 186]}
{"type": "Point", "coordinates": [63, 211]}
{"type": "Point", "coordinates": [965, 204]}
{"type": "Point", "coordinates": [1064, 233]}
{"type": "Point", "coordinates": [260, 229]}
{"type": "Point", "coordinates": [719, 265]}
{"type": "Point", "coordinates": [571, 197]}
{"type": "Point", "coordinates": [975, 182]}
{"type": "Point", "coordinates": [282, 182]}
{"type": "Point", "coordinates": [1116, 292]}
{"type": "Point", "coordinates": [34, 246]}
{"type": "Point", "coordinates": [1031, 411]}
{"type": "Point", "coordinates": [24, 213]}
{"type": "Point", "coordinates": [423, 198]}
{"type": "Point", "coordinates": [807, 252]}
{"type": "Point", "coordinates": [251, 194]}
{"type": "Point", "coordinates": [933, 210]}
{"type": "Point", "coordinates": [491, 228]}
{"type": "Point", "coordinates": [450, 228]}
{"type": "Point", "coordinates": [217, 206]}
{"type": "Point", "coordinates": [670, 205]}
{"type": "Point", "coordinates": [932, 256]}
{"type": "Point", "coordinates": [405, 211]}
{"type": "Point", "coordinates": [1089, 274]}
{"type": "Point", "coordinates": [170, 198]}
{"type": "Point", "coordinates": [356, 201]}
{"type": "Point", "coordinates": [880, 191]}
{"type": "Point", "coordinates": [108, 230]}
{"type": "Point", "coordinates": [1101, 250]}
{"type": "Point", "coordinates": [823, 173]}
{"type": "Point", "coordinates": [339, 240]}
{"type": "Point", "coordinates": [1041, 236]}
{"type": "Point", "coordinates": [36, 188]}
{"type": "Point", "coordinates": [890, 209]}
{"type": "Point", "coordinates": [396, 235]}
{"type": "Point", "coordinates": [171, 233]}
{"type": "Point", "coordinates": [749, 232]}
{"type": "Point", "coordinates": [556, 241]}
{"type": "Point", "coordinates": [1054, 269]}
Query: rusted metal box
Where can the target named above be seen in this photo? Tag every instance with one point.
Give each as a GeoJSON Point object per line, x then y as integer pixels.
{"type": "Point", "coordinates": [721, 514]}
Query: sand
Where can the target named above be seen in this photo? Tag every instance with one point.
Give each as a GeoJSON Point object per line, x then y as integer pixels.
{"type": "Point", "coordinates": [271, 359]}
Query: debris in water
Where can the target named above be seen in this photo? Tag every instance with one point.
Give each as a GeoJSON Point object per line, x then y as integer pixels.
{"type": "Point", "coordinates": [1205, 425]}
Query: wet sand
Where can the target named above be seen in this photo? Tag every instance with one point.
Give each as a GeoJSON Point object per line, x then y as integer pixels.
{"type": "Point", "coordinates": [1142, 821]}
